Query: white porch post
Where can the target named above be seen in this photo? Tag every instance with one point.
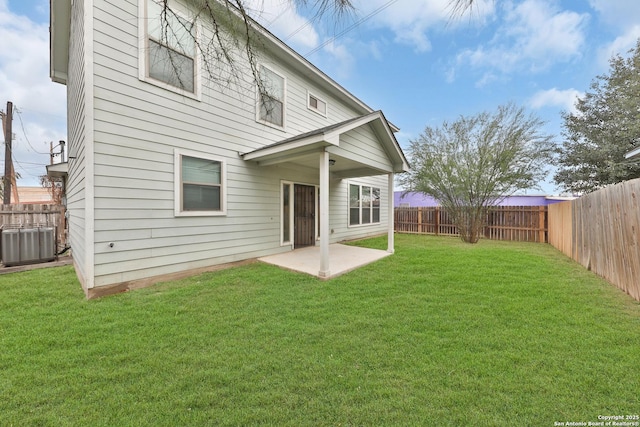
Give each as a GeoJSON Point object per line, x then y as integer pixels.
{"type": "Point", "coordinates": [324, 215]}
{"type": "Point", "coordinates": [390, 216]}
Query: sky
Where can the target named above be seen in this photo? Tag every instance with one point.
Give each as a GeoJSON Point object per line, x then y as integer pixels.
{"type": "Point", "coordinates": [412, 59]}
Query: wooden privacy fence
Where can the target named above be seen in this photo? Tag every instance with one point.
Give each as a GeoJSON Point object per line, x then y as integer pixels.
{"type": "Point", "coordinates": [601, 231]}
{"type": "Point", "coordinates": [33, 215]}
{"type": "Point", "coordinates": [560, 234]}
{"type": "Point", "coordinates": [515, 223]}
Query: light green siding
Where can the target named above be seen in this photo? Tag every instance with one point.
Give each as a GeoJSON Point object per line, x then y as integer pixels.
{"type": "Point", "coordinates": [138, 125]}
{"type": "Point", "coordinates": [77, 137]}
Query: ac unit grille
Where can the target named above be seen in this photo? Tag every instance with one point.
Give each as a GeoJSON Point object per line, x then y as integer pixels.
{"type": "Point", "coordinates": [27, 245]}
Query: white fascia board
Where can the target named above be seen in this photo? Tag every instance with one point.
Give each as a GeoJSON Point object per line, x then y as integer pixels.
{"type": "Point", "coordinates": [59, 27]}
{"type": "Point", "coordinates": [293, 145]}
{"type": "Point", "coordinates": [391, 140]}
{"type": "Point", "coordinates": [58, 170]}
{"type": "Point", "coordinates": [308, 66]}
{"type": "Point", "coordinates": [403, 164]}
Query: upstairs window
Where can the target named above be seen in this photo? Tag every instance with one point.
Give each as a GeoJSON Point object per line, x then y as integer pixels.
{"type": "Point", "coordinates": [316, 104]}
{"type": "Point", "coordinates": [271, 98]}
{"type": "Point", "coordinates": [170, 47]}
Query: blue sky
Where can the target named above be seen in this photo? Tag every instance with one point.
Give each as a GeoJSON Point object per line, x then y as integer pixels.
{"type": "Point", "coordinates": [411, 60]}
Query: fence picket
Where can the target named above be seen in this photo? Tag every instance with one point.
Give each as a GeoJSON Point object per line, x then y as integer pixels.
{"type": "Point", "coordinates": [516, 223]}
{"type": "Point", "coordinates": [601, 231]}
{"type": "Point", "coordinates": [33, 215]}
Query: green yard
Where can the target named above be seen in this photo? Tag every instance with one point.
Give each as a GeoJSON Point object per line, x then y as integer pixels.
{"type": "Point", "coordinates": [441, 333]}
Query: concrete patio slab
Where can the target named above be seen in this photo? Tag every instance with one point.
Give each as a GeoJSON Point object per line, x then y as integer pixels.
{"type": "Point", "coordinates": [342, 259]}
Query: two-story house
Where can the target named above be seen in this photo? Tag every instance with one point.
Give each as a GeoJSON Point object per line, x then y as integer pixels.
{"type": "Point", "coordinates": [171, 172]}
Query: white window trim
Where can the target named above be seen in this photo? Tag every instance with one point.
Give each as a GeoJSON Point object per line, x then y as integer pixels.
{"type": "Point", "coordinates": [177, 184]}
{"type": "Point", "coordinates": [292, 211]}
{"type": "Point", "coordinates": [360, 224]}
{"type": "Point", "coordinates": [143, 57]}
{"type": "Point", "coordinates": [315, 110]}
{"type": "Point", "coordinates": [291, 230]}
{"type": "Point", "coordinates": [284, 101]}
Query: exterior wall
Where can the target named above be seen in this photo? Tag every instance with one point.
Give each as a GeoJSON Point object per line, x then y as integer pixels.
{"type": "Point", "coordinates": [360, 144]}
{"type": "Point", "coordinates": [137, 127]}
{"type": "Point", "coordinates": [78, 142]}
{"type": "Point", "coordinates": [34, 195]}
{"type": "Point", "coordinates": [339, 214]}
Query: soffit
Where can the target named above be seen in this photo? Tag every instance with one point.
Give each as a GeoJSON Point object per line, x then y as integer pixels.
{"type": "Point", "coordinates": [302, 150]}
{"type": "Point", "coordinates": [59, 29]}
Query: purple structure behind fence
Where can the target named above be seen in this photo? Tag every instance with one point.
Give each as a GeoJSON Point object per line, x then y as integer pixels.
{"type": "Point", "coordinates": [412, 200]}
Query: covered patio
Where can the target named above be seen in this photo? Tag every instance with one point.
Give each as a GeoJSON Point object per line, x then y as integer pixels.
{"type": "Point", "coordinates": [342, 259]}
{"type": "Point", "coordinates": [358, 147]}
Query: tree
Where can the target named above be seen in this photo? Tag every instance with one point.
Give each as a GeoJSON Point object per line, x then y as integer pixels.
{"type": "Point", "coordinates": [230, 43]}
{"type": "Point", "coordinates": [460, 7]}
{"type": "Point", "coordinates": [474, 162]}
{"type": "Point", "coordinates": [605, 126]}
{"type": "Point", "coordinates": [54, 187]}
{"type": "Point", "coordinates": [230, 30]}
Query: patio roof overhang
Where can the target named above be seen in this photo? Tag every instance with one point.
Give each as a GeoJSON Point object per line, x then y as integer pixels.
{"type": "Point", "coordinates": [58, 170]}
{"type": "Point", "coordinates": [332, 156]}
{"type": "Point", "coordinates": [303, 149]}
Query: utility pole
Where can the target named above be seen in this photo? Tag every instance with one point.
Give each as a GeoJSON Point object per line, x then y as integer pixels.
{"type": "Point", "coordinates": [8, 162]}
{"type": "Point", "coordinates": [52, 154]}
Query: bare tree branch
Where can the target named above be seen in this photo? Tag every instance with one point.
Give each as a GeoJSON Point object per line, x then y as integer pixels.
{"type": "Point", "coordinates": [460, 7]}
{"type": "Point", "coordinates": [231, 43]}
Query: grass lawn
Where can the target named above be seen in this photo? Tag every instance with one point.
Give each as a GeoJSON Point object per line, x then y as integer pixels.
{"type": "Point", "coordinates": [441, 333]}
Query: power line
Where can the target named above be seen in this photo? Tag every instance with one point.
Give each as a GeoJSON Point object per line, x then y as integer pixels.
{"type": "Point", "coordinates": [28, 163]}
{"type": "Point", "coordinates": [355, 25]}
{"type": "Point", "coordinates": [284, 10]}
{"type": "Point", "coordinates": [296, 31]}
{"type": "Point", "coordinates": [21, 165]}
{"type": "Point", "coordinates": [300, 28]}
{"type": "Point", "coordinates": [24, 132]}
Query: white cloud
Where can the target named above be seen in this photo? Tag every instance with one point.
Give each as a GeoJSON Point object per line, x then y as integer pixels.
{"type": "Point", "coordinates": [618, 13]}
{"type": "Point", "coordinates": [620, 46]}
{"type": "Point", "coordinates": [342, 62]}
{"type": "Point", "coordinates": [487, 78]}
{"type": "Point", "coordinates": [450, 75]}
{"type": "Point", "coordinates": [540, 32]}
{"type": "Point", "coordinates": [24, 80]}
{"type": "Point", "coordinates": [565, 99]}
{"type": "Point", "coordinates": [281, 18]}
{"type": "Point", "coordinates": [623, 18]}
{"type": "Point", "coordinates": [374, 49]}
{"type": "Point", "coordinates": [533, 36]}
{"type": "Point", "coordinates": [410, 24]}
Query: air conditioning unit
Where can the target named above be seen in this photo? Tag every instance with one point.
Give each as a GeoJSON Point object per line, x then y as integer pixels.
{"type": "Point", "coordinates": [11, 247]}
{"type": "Point", "coordinates": [47, 244]}
{"type": "Point", "coordinates": [28, 245]}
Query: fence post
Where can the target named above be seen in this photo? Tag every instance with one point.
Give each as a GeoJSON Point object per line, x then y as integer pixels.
{"type": "Point", "coordinates": [521, 223]}
{"type": "Point", "coordinates": [542, 213]}
{"type": "Point", "coordinates": [487, 224]}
